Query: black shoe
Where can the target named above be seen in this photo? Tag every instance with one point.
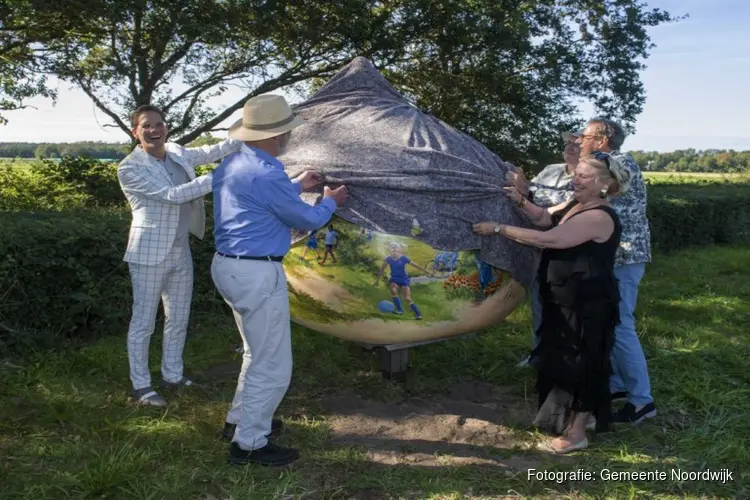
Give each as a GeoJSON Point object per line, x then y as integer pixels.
{"type": "Point", "coordinates": [276, 428]}
{"type": "Point", "coordinates": [628, 413]}
{"type": "Point", "coordinates": [271, 455]}
{"type": "Point", "coordinates": [619, 395]}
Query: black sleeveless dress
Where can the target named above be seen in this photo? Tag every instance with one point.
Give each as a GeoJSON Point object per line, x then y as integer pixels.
{"type": "Point", "coordinates": [580, 310]}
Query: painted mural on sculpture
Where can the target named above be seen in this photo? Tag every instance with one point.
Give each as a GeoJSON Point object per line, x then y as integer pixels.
{"type": "Point", "coordinates": [412, 175]}
{"type": "Point", "coordinates": [377, 288]}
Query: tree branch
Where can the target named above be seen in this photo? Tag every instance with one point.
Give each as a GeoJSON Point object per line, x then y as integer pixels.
{"type": "Point", "coordinates": [140, 58]}
{"type": "Point", "coordinates": [161, 68]}
{"type": "Point", "coordinates": [281, 81]}
{"type": "Point", "coordinates": [211, 81]}
{"type": "Point", "coordinates": [120, 64]}
{"type": "Point", "coordinates": [188, 111]}
{"type": "Point", "coordinates": [99, 104]}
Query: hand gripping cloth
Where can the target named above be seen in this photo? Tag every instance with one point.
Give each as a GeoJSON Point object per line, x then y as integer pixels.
{"type": "Point", "coordinates": [401, 164]}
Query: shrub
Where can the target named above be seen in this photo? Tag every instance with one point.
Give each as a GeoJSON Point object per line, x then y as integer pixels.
{"type": "Point", "coordinates": [63, 278]}
{"type": "Point", "coordinates": [62, 274]}
{"type": "Point", "coordinates": [71, 183]}
{"type": "Point", "coordinates": [94, 179]}
{"type": "Point", "coordinates": [688, 217]}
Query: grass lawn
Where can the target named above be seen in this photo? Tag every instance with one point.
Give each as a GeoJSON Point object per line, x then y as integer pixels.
{"type": "Point", "coordinates": [67, 429]}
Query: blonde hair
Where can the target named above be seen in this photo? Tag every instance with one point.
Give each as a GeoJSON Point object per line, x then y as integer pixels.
{"type": "Point", "coordinates": [615, 172]}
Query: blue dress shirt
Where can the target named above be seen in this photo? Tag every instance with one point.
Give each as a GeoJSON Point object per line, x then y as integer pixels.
{"type": "Point", "coordinates": [256, 205]}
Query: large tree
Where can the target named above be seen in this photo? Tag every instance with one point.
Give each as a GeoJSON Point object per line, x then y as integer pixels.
{"type": "Point", "coordinates": [22, 54]}
{"type": "Point", "coordinates": [505, 71]}
{"type": "Point", "coordinates": [508, 72]}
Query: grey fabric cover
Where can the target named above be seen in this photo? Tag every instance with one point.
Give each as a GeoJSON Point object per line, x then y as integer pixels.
{"type": "Point", "coordinates": [400, 163]}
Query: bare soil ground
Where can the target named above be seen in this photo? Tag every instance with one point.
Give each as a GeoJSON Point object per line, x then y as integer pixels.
{"type": "Point", "coordinates": [471, 423]}
{"type": "Point", "coordinates": [474, 423]}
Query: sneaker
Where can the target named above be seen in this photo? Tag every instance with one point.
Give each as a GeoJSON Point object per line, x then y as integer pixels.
{"type": "Point", "coordinates": [628, 413]}
{"type": "Point", "coordinates": [276, 428]}
{"type": "Point", "coordinates": [271, 455]}
{"type": "Point", "coordinates": [148, 397]}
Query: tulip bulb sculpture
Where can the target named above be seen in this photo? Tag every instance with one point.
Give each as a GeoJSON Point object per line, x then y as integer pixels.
{"type": "Point", "coordinates": [399, 263]}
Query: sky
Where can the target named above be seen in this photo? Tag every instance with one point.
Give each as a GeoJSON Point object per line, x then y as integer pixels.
{"type": "Point", "coordinates": [695, 81]}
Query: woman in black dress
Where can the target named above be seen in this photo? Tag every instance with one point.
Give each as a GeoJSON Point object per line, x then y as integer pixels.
{"type": "Point", "coordinates": [579, 294]}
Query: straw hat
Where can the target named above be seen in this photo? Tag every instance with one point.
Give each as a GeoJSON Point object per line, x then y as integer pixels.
{"type": "Point", "coordinates": [263, 117]}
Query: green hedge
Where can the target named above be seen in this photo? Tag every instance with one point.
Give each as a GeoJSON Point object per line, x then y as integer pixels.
{"type": "Point", "coordinates": [690, 217]}
{"type": "Point", "coordinates": [62, 277]}
{"type": "Point", "coordinates": [59, 185]}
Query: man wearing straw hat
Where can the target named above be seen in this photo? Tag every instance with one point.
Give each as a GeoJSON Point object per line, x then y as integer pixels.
{"type": "Point", "coordinates": [255, 207]}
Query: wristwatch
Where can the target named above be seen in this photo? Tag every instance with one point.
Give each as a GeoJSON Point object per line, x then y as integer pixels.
{"type": "Point", "coordinates": [497, 229]}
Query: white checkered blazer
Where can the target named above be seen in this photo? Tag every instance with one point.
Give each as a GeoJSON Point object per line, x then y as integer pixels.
{"type": "Point", "coordinates": [155, 201]}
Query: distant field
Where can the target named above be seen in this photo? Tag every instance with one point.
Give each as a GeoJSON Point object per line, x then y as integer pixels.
{"type": "Point", "coordinates": [709, 175]}
{"type": "Point", "coordinates": [697, 178]}
{"type": "Point", "coordinates": [27, 162]}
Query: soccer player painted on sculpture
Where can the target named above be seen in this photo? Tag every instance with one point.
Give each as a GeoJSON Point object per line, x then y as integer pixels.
{"type": "Point", "coordinates": [312, 244]}
{"type": "Point", "coordinates": [400, 279]}
{"type": "Point", "coordinates": [332, 238]}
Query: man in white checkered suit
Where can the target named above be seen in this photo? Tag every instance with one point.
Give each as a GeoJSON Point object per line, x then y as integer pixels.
{"type": "Point", "coordinates": [165, 196]}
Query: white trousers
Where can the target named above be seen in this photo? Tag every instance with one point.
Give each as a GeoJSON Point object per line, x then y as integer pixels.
{"type": "Point", "coordinates": [257, 293]}
{"type": "Point", "coordinates": [170, 282]}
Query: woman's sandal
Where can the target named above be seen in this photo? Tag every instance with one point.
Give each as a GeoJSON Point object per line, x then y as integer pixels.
{"type": "Point", "coordinates": [580, 445]}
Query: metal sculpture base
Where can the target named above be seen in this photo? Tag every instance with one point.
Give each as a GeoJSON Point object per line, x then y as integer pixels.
{"type": "Point", "coordinates": [394, 358]}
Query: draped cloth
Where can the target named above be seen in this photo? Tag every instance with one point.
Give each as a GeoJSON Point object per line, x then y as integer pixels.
{"type": "Point", "coordinates": [401, 164]}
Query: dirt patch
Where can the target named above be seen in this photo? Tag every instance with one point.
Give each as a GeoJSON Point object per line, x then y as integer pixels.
{"type": "Point", "coordinates": [321, 289]}
{"type": "Point", "coordinates": [473, 424]}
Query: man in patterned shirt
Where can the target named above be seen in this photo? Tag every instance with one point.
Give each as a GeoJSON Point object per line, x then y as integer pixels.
{"type": "Point", "coordinates": [550, 187]}
{"type": "Point", "coordinates": [158, 179]}
{"type": "Point", "coordinates": [630, 378]}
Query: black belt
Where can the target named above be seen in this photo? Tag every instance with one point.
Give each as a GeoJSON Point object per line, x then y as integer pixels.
{"type": "Point", "coordinates": [271, 258]}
